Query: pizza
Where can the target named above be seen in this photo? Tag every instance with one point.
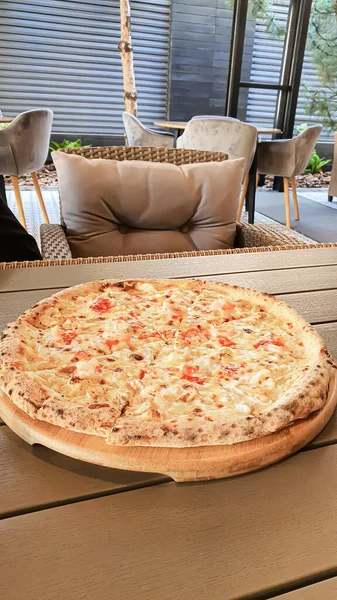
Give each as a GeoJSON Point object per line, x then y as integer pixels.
{"type": "Point", "coordinates": [174, 363]}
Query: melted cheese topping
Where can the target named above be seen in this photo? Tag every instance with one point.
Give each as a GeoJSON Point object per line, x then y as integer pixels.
{"type": "Point", "coordinates": [163, 354]}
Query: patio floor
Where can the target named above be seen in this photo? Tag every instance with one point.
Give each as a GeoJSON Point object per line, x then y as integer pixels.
{"type": "Point", "coordinates": [318, 217]}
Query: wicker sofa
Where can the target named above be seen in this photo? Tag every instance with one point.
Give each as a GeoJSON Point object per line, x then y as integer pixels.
{"type": "Point", "coordinates": [54, 243]}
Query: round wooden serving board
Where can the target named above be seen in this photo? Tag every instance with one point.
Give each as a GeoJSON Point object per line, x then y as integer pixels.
{"type": "Point", "coordinates": [182, 464]}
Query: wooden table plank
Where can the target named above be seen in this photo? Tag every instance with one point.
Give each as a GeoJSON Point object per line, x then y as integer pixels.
{"type": "Point", "coordinates": [327, 436]}
{"type": "Point", "coordinates": [266, 531]}
{"type": "Point", "coordinates": [35, 477]}
{"type": "Point", "coordinates": [286, 281]}
{"type": "Point", "coordinates": [328, 331]}
{"type": "Point", "coordinates": [315, 307]}
{"type": "Point", "coordinates": [199, 266]}
{"type": "Point", "coordinates": [324, 590]}
{"type": "Point", "coordinates": [272, 282]}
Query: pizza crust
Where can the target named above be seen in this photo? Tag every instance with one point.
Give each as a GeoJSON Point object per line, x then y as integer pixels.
{"type": "Point", "coordinates": [309, 393]}
{"type": "Point", "coordinates": [38, 402]}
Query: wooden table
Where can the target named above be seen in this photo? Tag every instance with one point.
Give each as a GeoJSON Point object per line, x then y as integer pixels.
{"type": "Point", "coordinates": [75, 531]}
{"type": "Point", "coordinates": [2, 181]}
{"type": "Point", "coordinates": [179, 126]}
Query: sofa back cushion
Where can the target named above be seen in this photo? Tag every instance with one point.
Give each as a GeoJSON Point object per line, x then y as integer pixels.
{"type": "Point", "coordinates": [114, 207]}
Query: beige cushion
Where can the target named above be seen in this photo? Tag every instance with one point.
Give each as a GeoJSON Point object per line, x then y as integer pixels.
{"type": "Point", "coordinates": [129, 207]}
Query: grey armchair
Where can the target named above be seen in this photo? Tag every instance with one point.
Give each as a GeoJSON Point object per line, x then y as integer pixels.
{"type": "Point", "coordinates": [288, 158]}
{"type": "Point", "coordinates": [138, 135]}
{"type": "Point", "coordinates": [24, 146]}
{"type": "Point", "coordinates": [222, 134]}
{"type": "Point", "coordinates": [333, 182]}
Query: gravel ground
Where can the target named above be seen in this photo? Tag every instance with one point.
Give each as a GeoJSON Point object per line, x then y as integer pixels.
{"type": "Point", "coordinates": [306, 181]}
{"type": "Point", "coordinates": [47, 178]}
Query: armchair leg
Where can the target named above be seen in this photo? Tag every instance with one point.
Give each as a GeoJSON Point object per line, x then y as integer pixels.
{"type": "Point", "coordinates": [242, 197]}
{"type": "Point", "coordinates": [293, 187]}
{"type": "Point", "coordinates": [40, 197]}
{"type": "Point", "coordinates": [330, 198]}
{"type": "Point", "coordinates": [287, 201]}
{"type": "Point", "coordinates": [16, 188]}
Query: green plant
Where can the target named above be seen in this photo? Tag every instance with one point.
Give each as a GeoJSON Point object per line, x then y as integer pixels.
{"type": "Point", "coordinates": [315, 164]}
{"type": "Point", "coordinates": [66, 144]}
{"type": "Point", "coordinates": [301, 127]}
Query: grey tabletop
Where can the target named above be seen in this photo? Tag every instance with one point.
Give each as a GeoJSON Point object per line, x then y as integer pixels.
{"type": "Point", "coordinates": [74, 530]}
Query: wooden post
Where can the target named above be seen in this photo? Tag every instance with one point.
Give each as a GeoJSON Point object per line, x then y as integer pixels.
{"type": "Point", "coordinates": [126, 50]}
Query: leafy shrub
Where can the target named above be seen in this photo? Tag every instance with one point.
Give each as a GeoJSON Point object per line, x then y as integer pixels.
{"type": "Point", "coordinates": [315, 163]}
{"type": "Point", "coordinates": [66, 144]}
{"type": "Point", "coordinates": [301, 128]}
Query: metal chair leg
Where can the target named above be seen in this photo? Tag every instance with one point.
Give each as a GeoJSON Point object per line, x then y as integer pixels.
{"type": "Point", "coordinates": [40, 197]}
{"type": "Point", "coordinates": [16, 188]}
